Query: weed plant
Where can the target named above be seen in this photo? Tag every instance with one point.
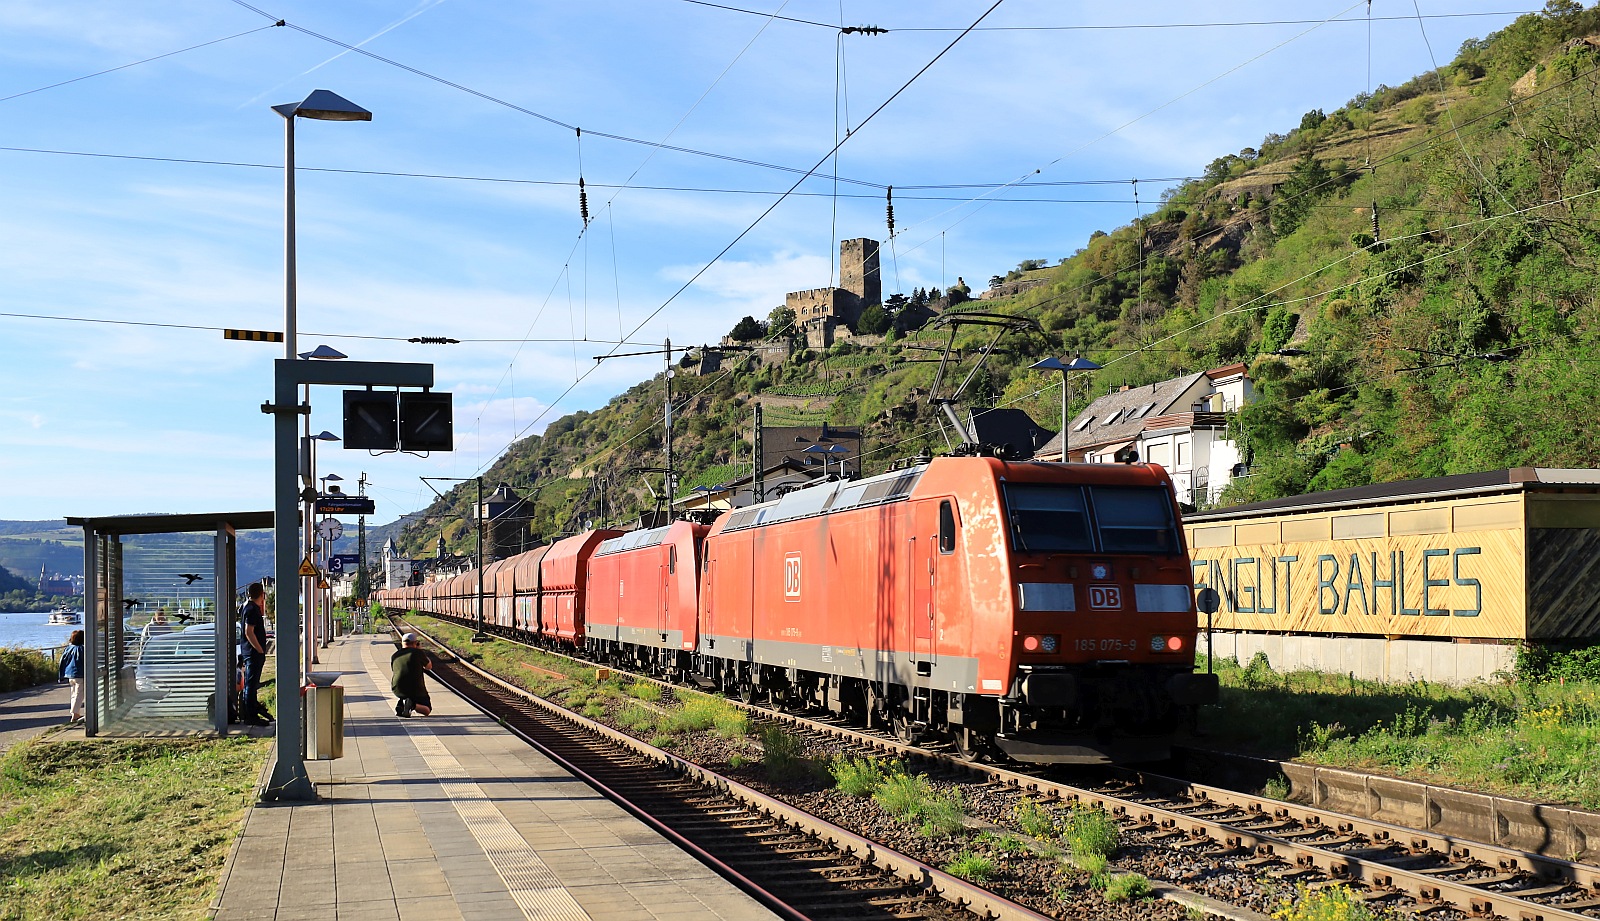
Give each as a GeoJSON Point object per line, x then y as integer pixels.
{"type": "Point", "coordinates": [636, 719]}
{"type": "Point", "coordinates": [974, 868]}
{"type": "Point", "coordinates": [1037, 819]}
{"type": "Point", "coordinates": [647, 691]}
{"type": "Point", "coordinates": [1330, 903]}
{"type": "Point", "coordinates": [1121, 887]}
{"type": "Point", "coordinates": [856, 776]}
{"type": "Point", "coordinates": [1091, 831]}
{"type": "Point", "coordinates": [904, 796]}
{"type": "Point", "coordinates": [783, 755]}
{"type": "Point", "coordinates": [944, 816]}
{"type": "Point", "coordinates": [697, 714]}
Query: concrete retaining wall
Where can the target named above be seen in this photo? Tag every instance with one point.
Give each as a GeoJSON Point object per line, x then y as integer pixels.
{"type": "Point", "coordinates": [1374, 659]}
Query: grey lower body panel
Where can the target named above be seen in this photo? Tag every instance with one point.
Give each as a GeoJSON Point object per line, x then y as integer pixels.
{"type": "Point", "coordinates": [947, 673]}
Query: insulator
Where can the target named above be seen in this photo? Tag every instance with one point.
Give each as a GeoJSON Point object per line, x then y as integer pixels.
{"type": "Point", "coordinates": [1376, 235]}
{"type": "Point", "coordinates": [889, 206]}
{"type": "Point", "coordinates": [583, 202]}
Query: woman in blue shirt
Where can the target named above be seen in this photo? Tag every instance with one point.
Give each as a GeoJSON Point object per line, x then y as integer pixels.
{"type": "Point", "coordinates": [72, 672]}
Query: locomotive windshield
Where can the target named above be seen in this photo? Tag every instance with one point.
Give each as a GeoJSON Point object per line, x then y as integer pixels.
{"type": "Point", "coordinates": [1092, 519]}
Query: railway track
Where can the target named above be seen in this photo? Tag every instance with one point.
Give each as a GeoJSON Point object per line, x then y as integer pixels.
{"type": "Point", "coordinates": [799, 866]}
{"type": "Point", "coordinates": [1413, 871]}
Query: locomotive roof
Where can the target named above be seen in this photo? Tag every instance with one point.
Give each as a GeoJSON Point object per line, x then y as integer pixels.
{"type": "Point", "coordinates": [633, 540]}
{"type": "Point", "coordinates": [828, 496]}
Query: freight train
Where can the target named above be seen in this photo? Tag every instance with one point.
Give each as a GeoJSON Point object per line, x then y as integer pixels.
{"type": "Point", "coordinates": [1034, 611]}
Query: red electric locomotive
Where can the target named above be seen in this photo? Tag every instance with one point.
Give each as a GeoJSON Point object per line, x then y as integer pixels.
{"type": "Point", "coordinates": [642, 609]}
{"type": "Point", "coordinates": [1044, 610]}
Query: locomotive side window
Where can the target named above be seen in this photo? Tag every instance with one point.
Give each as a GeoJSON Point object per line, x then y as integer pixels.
{"type": "Point", "coordinates": [947, 528]}
{"type": "Point", "coordinates": [1047, 519]}
{"type": "Point", "coordinates": [1134, 519]}
{"type": "Point", "coordinates": [672, 560]}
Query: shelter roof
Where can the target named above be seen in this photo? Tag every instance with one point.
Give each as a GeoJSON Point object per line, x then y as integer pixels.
{"type": "Point", "coordinates": [1515, 479]}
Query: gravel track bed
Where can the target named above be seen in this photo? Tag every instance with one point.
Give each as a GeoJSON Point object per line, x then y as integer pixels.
{"type": "Point", "coordinates": [1041, 878]}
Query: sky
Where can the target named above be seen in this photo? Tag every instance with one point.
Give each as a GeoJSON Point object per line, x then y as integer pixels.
{"type": "Point", "coordinates": [142, 192]}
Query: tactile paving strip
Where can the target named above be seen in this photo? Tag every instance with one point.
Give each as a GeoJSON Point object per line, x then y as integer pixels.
{"type": "Point", "coordinates": [533, 885]}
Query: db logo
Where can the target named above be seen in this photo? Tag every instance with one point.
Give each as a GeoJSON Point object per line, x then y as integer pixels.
{"type": "Point", "coordinates": [791, 577]}
{"type": "Point", "coordinates": [1105, 596]}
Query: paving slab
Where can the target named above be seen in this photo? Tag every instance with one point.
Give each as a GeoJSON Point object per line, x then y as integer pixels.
{"type": "Point", "coordinates": [451, 818]}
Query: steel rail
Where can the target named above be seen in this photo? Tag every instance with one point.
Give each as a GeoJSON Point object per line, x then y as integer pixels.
{"type": "Point", "coordinates": [950, 888]}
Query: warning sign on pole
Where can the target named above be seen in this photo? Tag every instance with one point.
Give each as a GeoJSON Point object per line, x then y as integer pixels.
{"type": "Point", "coordinates": [306, 569]}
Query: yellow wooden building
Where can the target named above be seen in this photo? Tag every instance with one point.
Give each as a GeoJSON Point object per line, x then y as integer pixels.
{"type": "Point", "coordinates": [1438, 578]}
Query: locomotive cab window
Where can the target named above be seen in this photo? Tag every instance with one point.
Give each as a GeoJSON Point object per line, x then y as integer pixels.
{"type": "Point", "coordinates": [1134, 519]}
{"type": "Point", "coordinates": [672, 560]}
{"type": "Point", "coordinates": [947, 527]}
{"type": "Point", "coordinates": [1048, 519]}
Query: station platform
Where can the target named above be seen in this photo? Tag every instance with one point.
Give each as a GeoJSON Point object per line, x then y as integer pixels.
{"type": "Point", "coordinates": [451, 817]}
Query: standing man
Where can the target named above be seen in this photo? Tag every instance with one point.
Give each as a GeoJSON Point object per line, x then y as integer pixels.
{"type": "Point", "coordinates": [253, 653]}
{"type": "Point", "coordinates": [408, 665]}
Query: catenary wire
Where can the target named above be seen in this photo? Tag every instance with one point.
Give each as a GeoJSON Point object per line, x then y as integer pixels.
{"type": "Point", "coordinates": [112, 70]}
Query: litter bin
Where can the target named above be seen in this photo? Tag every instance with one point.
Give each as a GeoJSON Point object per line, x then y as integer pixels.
{"type": "Point", "coordinates": [324, 722]}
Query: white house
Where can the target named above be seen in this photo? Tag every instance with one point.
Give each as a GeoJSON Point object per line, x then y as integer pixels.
{"type": "Point", "coordinates": [1181, 424]}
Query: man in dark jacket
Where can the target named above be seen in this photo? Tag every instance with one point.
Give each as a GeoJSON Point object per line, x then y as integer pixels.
{"type": "Point", "coordinates": [407, 667]}
{"type": "Point", "coordinates": [253, 655]}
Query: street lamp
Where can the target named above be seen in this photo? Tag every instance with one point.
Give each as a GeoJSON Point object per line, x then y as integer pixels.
{"type": "Point", "coordinates": [1055, 364]}
{"type": "Point", "coordinates": [829, 449]}
{"type": "Point", "coordinates": [323, 106]}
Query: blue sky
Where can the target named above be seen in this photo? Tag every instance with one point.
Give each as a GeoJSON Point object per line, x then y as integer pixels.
{"type": "Point", "coordinates": [106, 215]}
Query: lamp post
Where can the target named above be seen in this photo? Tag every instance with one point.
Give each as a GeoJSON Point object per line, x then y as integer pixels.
{"type": "Point", "coordinates": [312, 626]}
{"type": "Point", "coordinates": [829, 450]}
{"type": "Point", "coordinates": [1055, 364]}
{"type": "Point", "coordinates": [323, 106]}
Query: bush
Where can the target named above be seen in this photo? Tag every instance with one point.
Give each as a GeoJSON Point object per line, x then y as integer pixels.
{"type": "Point", "coordinates": [23, 668]}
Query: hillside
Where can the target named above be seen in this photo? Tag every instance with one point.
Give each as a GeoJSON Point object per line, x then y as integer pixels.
{"type": "Point", "coordinates": [1411, 278]}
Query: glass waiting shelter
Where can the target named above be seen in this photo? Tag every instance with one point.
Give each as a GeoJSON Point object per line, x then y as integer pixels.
{"type": "Point", "coordinates": [161, 597]}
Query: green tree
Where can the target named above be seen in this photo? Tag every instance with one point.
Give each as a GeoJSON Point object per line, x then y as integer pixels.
{"type": "Point", "coordinates": [875, 321]}
{"type": "Point", "coordinates": [781, 322]}
{"type": "Point", "coordinates": [1308, 182]}
{"type": "Point", "coordinates": [747, 329]}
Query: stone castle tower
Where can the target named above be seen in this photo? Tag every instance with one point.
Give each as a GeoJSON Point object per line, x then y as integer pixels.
{"type": "Point", "coordinates": [818, 310]}
{"type": "Point", "coordinates": [858, 270]}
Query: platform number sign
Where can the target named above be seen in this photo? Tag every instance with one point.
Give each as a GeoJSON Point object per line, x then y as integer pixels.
{"type": "Point", "coordinates": [1105, 596]}
{"type": "Point", "coordinates": [791, 577]}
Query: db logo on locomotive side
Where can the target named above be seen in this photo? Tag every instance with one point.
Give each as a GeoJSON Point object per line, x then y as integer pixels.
{"type": "Point", "coordinates": [1105, 596]}
{"type": "Point", "coordinates": [791, 577]}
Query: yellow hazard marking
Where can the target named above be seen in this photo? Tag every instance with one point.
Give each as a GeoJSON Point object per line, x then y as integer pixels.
{"type": "Point", "coordinates": [306, 569]}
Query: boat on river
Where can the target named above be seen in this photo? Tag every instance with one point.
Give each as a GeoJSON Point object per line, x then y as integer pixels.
{"type": "Point", "coordinates": [64, 616]}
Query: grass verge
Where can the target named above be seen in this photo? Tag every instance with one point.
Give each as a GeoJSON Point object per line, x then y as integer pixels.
{"type": "Point", "coordinates": [1526, 738]}
{"type": "Point", "coordinates": [120, 828]}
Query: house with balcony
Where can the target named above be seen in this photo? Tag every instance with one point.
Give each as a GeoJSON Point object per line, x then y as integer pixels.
{"type": "Point", "coordinates": [1181, 424]}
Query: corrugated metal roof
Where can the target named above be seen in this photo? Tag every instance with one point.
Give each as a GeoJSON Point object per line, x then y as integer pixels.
{"type": "Point", "coordinates": [1460, 484]}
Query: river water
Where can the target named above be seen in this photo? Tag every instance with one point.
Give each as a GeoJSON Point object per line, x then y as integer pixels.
{"type": "Point", "coordinates": [31, 630]}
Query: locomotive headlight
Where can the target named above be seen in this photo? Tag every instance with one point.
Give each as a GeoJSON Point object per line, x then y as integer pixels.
{"type": "Point", "coordinates": [1158, 644]}
{"type": "Point", "coordinates": [1175, 643]}
{"type": "Point", "coordinates": [1048, 643]}
{"type": "Point", "coordinates": [1030, 643]}
{"type": "Point", "coordinates": [1100, 571]}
